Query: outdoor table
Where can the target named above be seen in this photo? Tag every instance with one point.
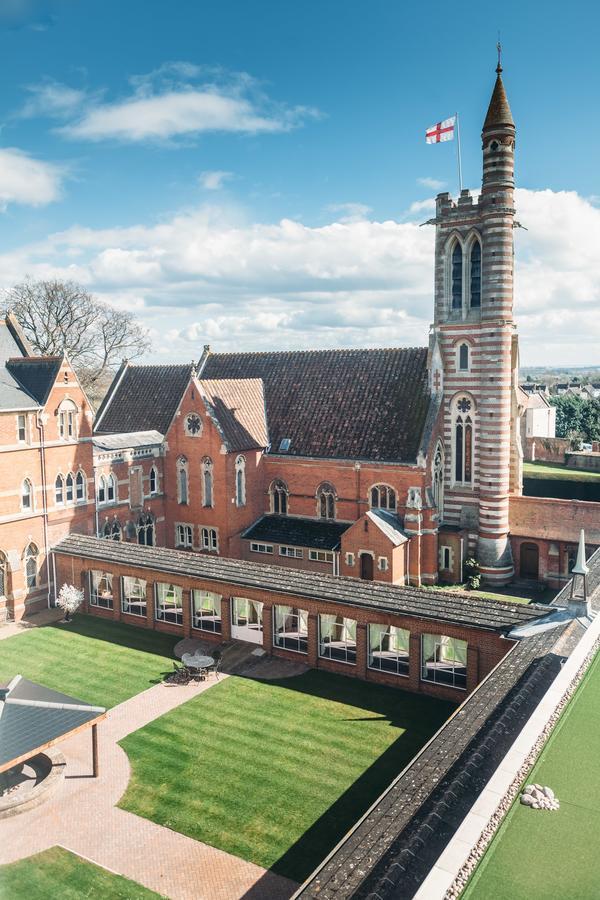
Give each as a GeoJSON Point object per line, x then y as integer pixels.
{"type": "Point", "coordinates": [197, 661]}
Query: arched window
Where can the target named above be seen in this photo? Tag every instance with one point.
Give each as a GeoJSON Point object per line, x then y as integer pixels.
{"type": "Point", "coordinates": [279, 497]}
{"type": "Point", "coordinates": [111, 489]}
{"type": "Point", "coordinates": [3, 575]}
{"type": "Point", "coordinates": [326, 501]}
{"type": "Point", "coordinates": [438, 480]}
{"type": "Point", "coordinates": [475, 283]}
{"type": "Point", "coordinates": [383, 497]}
{"type": "Point", "coordinates": [145, 530]}
{"type": "Point", "coordinates": [80, 486]}
{"type": "Point", "coordinates": [27, 494]}
{"type": "Point", "coordinates": [153, 481]}
{"type": "Point", "coordinates": [463, 441]}
{"type": "Point", "coordinates": [457, 276]}
{"type": "Point", "coordinates": [59, 490]}
{"type": "Point", "coordinates": [112, 531]}
{"type": "Point", "coordinates": [240, 481]}
{"type": "Point", "coordinates": [193, 425]}
{"type": "Point", "coordinates": [31, 566]}
{"type": "Point", "coordinates": [102, 489]}
{"type": "Point", "coordinates": [69, 485]}
{"type": "Point", "coordinates": [67, 420]}
{"type": "Point", "coordinates": [207, 482]}
{"type": "Point", "coordinates": [182, 480]}
{"type": "Point", "coordinates": [463, 358]}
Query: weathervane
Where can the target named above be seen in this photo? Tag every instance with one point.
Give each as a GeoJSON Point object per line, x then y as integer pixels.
{"type": "Point", "coordinates": [499, 49]}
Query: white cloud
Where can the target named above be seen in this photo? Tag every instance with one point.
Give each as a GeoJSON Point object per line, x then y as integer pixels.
{"type": "Point", "coordinates": [420, 206]}
{"type": "Point", "coordinates": [208, 275]}
{"type": "Point", "coordinates": [26, 180]}
{"type": "Point", "coordinates": [52, 99]}
{"type": "Point", "coordinates": [214, 179]}
{"type": "Point", "coordinates": [350, 212]}
{"type": "Point", "coordinates": [432, 183]}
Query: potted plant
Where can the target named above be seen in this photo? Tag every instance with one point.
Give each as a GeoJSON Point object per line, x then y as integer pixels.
{"type": "Point", "coordinates": [69, 600]}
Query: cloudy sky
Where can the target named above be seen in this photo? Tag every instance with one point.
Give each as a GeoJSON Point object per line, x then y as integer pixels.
{"type": "Point", "coordinates": [253, 174]}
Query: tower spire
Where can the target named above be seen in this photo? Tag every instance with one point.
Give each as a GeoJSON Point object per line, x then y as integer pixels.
{"type": "Point", "coordinates": [499, 109]}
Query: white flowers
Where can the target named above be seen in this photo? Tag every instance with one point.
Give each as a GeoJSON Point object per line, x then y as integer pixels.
{"type": "Point", "coordinates": [69, 599]}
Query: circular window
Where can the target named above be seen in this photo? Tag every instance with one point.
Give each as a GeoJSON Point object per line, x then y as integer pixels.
{"type": "Point", "coordinates": [494, 146]}
{"type": "Point", "coordinates": [193, 424]}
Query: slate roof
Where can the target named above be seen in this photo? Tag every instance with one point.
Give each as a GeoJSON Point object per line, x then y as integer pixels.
{"type": "Point", "coordinates": [36, 374]}
{"type": "Point", "coordinates": [344, 404]}
{"type": "Point", "coordinates": [499, 109]}
{"type": "Point", "coordinates": [143, 398]}
{"type": "Point", "coordinates": [439, 606]}
{"type": "Point", "coordinates": [239, 407]}
{"type": "Point", "coordinates": [12, 394]}
{"type": "Point", "coordinates": [318, 534]}
{"type": "Point", "coordinates": [33, 716]}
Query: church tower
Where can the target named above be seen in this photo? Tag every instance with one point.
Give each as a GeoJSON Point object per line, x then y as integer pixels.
{"type": "Point", "coordinates": [474, 349]}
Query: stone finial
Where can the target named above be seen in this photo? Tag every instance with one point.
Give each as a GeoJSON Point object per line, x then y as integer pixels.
{"type": "Point", "coordinates": [581, 567]}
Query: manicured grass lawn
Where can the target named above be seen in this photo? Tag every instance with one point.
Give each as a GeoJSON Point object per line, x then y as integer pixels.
{"type": "Point", "coordinates": [538, 855]}
{"type": "Point", "coordinates": [554, 472]}
{"type": "Point", "coordinates": [92, 659]}
{"type": "Point", "coordinates": [276, 772]}
{"type": "Point", "coordinates": [57, 873]}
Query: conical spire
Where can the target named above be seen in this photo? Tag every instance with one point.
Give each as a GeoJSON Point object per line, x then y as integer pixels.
{"type": "Point", "coordinates": [499, 110]}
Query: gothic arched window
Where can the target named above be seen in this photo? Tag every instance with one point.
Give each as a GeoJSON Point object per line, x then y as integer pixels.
{"type": "Point", "coordinates": [26, 494]}
{"type": "Point", "coordinates": [145, 530]}
{"type": "Point", "coordinates": [438, 480]}
{"type": "Point", "coordinates": [112, 531]}
{"type": "Point", "coordinates": [69, 485]}
{"type": "Point", "coordinates": [80, 486]}
{"type": "Point", "coordinates": [279, 497]}
{"type": "Point", "coordinates": [102, 489]}
{"type": "Point", "coordinates": [31, 566]}
{"type": "Point", "coordinates": [3, 575]}
{"type": "Point", "coordinates": [207, 481]}
{"type": "Point", "coordinates": [463, 442]}
{"type": "Point", "coordinates": [457, 276]}
{"type": "Point", "coordinates": [67, 420]}
{"type": "Point", "coordinates": [475, 281]}
{"type": "Point", "coordinates": [463, 358]}
{"type": "Point", "coordinates": [153, 481]}
{"type": "Point", "coordinates": [182, 480]}
{"type": "Point", "coordinates": [111, 489]}
{"type": "Point", "coordinates": [59, 490]}
{"type": "Point", "coordinates": [326, 501]}
{"type": "Point", "coordinates": [383, 497]}
{"type": "Point", "coordinates": [240, 481]}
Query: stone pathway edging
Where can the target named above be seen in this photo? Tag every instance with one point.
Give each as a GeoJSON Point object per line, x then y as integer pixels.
{"type": "Point", "coordinates": [83, 817]}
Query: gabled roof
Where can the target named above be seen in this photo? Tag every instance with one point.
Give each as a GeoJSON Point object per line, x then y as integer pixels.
{"type": "Point", "coordinates": [318, 534]}
{"type": "Point", "coordinates": [388, 524]}
{"type": "Point", "coordinates": [143, 398]}
{"type": "Point", "coordinates": [12, 393]}
{"type": "Point", "coordinates": [239, 409]}
{"type": "Point", "coordinates": [37, 374]}
{"type": "Point", "coordinates": [344, 404]}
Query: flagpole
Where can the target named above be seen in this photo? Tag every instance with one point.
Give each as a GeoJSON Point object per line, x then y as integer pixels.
{"type": "Point", "coordinates": [460, 181]}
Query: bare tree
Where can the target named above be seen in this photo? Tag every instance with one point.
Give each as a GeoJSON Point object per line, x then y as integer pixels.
{"type": "Point", "coordinates": [59, 316]}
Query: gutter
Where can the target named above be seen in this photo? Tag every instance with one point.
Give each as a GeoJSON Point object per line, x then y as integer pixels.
{"type": "Point", "coordinates": [40, 427]}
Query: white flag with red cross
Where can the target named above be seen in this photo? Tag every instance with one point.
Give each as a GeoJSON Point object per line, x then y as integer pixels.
{"type": "Point", "coordinates": [443, 131]}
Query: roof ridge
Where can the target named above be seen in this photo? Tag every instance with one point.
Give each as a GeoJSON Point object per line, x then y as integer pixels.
{"type": "Point", "coordinates": [315, 351]}
{"type": "Point", "coordinates": [29, 359]}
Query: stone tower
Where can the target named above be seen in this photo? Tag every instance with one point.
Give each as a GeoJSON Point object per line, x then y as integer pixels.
{"type": "Point", "coordinates": [474, 349]}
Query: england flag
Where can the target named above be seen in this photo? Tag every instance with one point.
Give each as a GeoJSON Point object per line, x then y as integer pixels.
{"type": "Point", "coordinates": [443, 131]}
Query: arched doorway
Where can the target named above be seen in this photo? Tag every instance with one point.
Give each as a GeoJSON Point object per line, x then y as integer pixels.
{"type": "Point", "coordinates": [530, 561]}
{"type": "Point", "coordinates": [366, 566]}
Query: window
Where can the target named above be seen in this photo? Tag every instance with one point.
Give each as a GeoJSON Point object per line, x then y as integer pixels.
{"type": "Point", "coordinates": [444, 660]}
{"type": "Point", "coordinates": [21, 429]}
{"type": "Point", "coordinates": [210, 540]}
{"type": "Point", "coordinates": [457, 276]}
{"type": "Point", "coordinates": [101, 590]}
{"type": "Point", "coordinates": [193, 425]}
{"type": "Point", "coordinates": [102, 489]}
{"type": "Point", "coordinates": [279, 497]}
{"type": "Point", "coordinates": [337, 638]}
{"type": "Point", "coordinates": [207, 481]}
{"type": "Point", "coordinates": [382, 564]}
{"type": "Point", "coordinates": [31, 566]}
{"type": "Point", "coordinates": [112, 531]}
{"type": "Point", "coordinates": [145, 530]}
{"type": "Point", "coordinates": [67, 429]}
{"type": "Point", "coordinates": [240, 481]}
{"type": "Point", "coordinates": [153, 481]}
{"type": "Point", "coordinates": [261, 548]}
{"type": "Point", "coordinates": [383, 497]}
{"type": "Point", "coordinates": [321, 556]}
{"type": "Point", "coordinates": [168, 603]}
{"type": "Point", "coordinates": [111, 489]}
{"type": "Point", "coordinates": [59, 490]}
{"type": "Point", "coordinates": [463, 442]}
{"type": "Point", "coordinates": [133, 596]}
{"type": "Point", "coordinates": [80, 487]}
{"type": "Point", "coordinates": [3, 575]}
{"type": "Point", "coordinates": [475, 286]}
{"type": "Point", "coordinates": [247, 614]}
{"type": "Point", "coordinates": [294, 552]}
{"type": "Point", "coordinates": [463, 358]}
{"type": "Point", "coordinates": [69, 486]}
{"type": "Point", "coordinates": [446, 557]}
{"type": "Point", "coordinates": [182, 480]}
{"type": "Point", "coordinates": [184, 536]}
{"type": "Point", "coordinates": [26, 495]}
{"type": "Point", "coordinates": [284, 445]}
{"type": "Point", "coordinates": [326, 501]}
{"type": "Point", "coordinates": [389, 649]}
{"type": "Point", "coordinates": [290, 628]}
{"type": "Point", "coordinates": [349, 559]}
{"type": "Point", "coordinates": [206, 611]}
{"type": "Point", "coordinates": [438, 480]}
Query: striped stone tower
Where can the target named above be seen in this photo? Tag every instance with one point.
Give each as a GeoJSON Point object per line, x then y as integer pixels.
{"type": "Point", "coordinates": [474, 348]}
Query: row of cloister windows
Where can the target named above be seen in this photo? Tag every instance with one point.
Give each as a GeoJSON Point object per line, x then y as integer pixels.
{"type": "Point", "coordinates": [465, 271]}
{"type": "Point", "coordinates": [30, 560]}
{"type": "Point", "coordinates": [381, 496]}
{"type": "Point", "coordinates": [207, 475]}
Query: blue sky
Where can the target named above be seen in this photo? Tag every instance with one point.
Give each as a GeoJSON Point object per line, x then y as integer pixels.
{"type": "Point", "coordinates": [150, 147]}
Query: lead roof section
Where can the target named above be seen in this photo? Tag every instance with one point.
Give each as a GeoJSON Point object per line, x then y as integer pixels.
{"type": "Point", "coordinates": [314, 533]}
{"type": "Point", "coordinates": [438, 606]}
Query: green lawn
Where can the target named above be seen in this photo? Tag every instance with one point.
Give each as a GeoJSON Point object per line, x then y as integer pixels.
{"type": "Point", "coordinates": [276, 772]}
{"type": "Point", "coordinates": [96, 660]}
{"type": "Point", "coordinates": [57, 873]}
{"type": "Point", "coordinates": [554, 472]}
{"type": "Point", "coordinates": [539, 855]}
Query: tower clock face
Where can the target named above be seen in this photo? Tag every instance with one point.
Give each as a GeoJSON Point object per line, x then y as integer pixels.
{"type": "Point", "coordinates": [193, 424]}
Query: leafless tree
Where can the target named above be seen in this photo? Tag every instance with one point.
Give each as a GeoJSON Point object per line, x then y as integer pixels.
{"type": "Point", "coordinates": [59, 316]}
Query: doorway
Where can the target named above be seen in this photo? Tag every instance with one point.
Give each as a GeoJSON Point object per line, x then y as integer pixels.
{"type": "Point", "coordinates": [530, 561]}
{"type": "Point", "coordinates": [366, 567]}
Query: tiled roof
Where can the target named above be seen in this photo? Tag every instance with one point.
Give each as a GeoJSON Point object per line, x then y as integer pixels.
{"type": "Point", "coordinates": [239, 407]}
{"type": "Point", "coordinates": [12, 394]}
{"type": "Point", "coordinates": [36, 374]}
{"type": "Point", "coordinates": [499, 110]}
{"type": "Point", "coordinates": [143, 398]}
{"type": "Point", "coordinates": [345, 404]}
{"type": "Point", "coordinates": [316, 533]}
{"type": "Point", "coordinates": [439, 606]}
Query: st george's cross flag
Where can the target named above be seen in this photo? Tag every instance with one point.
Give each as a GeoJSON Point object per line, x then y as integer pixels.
{"type": "Point", "coordinates": [443, 131]}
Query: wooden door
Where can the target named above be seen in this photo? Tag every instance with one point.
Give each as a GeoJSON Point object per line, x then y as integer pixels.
{"type": "Point", "coordinates": [366, 566]}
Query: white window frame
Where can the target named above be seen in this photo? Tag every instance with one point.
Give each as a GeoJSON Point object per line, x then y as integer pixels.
{"type": "Point", "coordinates": [349, 559]}
{"type": "Point", "coordinates": [208, 483]}
{"type": "Point", "coordinates": [390, 495]}
{"type": "Point", "coordinates": [397, 663]}
{"type": "Point", "coordinates": [80, 479]}
{"type": "Point", "coordinates": [443, 674]}
{"type": "Point", "coordinates": [209, 539]}
{"type": "Point", "coordinates": [345, 649]}
{"type": "Point", "coordinates": [446, 549]}
{"type": "Point", "coordinates": [27, 495]}
{"type": "Point", "coordinates": [247, 620]}
{"type": "Point", "coordinates": [182, 531]}
{"type": "Point", "coordinates": [294, 639]}
{"type": "Point", "coordinates": [168, 603]}
{"type": "Point", "coordinates": [382, 564]}
{"type": "Point", "coordinates": [138, 596]}
{"type": "Point", "coordinates": [106, 599]}
{"type": "Point", "coordinates": [31, 555]}
{"type": "Point", "coordinates": [240, 481]}
{"type": "Point", "coordinates": [322, 556]}
{"type": "Point", "coordinates": [291, 552]}
{"type": "Point", "coordinates": [22, 422]}
{"type": "Point", "coordinates": [212, 620]}
{"type": "Point", "coordinates": [260, 547]}
{"type": "Point", "coordinates": [59, 490]}
{"type": "Point", "coordinates": [153, 476]}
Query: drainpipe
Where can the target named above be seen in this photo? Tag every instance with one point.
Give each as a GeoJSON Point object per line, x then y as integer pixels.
{"type": "Point", "coordinates": [40, 427]}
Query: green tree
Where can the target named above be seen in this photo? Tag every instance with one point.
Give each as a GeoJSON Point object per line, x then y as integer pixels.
{"type": "Point", "coordinates": [569, 408]}
{"type": "Point", "coordinates": [590, 420]}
